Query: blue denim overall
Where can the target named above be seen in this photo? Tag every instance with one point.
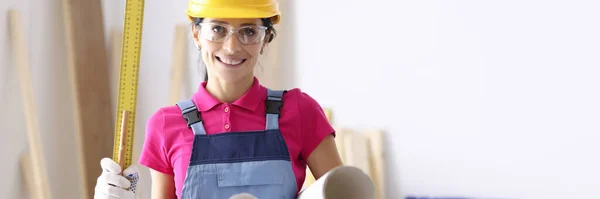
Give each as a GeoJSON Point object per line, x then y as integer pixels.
{"type": "Point", "coordinates": [225, 164]}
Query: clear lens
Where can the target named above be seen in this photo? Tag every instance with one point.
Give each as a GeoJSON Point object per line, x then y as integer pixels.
{"type": "Point", "coordinates": [215, 32]}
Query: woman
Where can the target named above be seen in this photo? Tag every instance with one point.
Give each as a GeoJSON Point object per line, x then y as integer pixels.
{"type": "Point", "coordinates": [234, 135]}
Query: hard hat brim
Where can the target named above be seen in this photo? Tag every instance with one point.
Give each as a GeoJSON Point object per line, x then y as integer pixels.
{"type": "Point", "coordinates": [229, 12]}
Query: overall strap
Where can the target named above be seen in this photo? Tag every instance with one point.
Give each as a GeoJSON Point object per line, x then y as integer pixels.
{"type": "Point", "coordinates": [192, 116]}
{"type": "Point", "coordinates": [274, 103]}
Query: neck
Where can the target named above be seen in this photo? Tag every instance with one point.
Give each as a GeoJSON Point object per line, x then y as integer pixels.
{"type": "Point", "coordinates": [228, 92]}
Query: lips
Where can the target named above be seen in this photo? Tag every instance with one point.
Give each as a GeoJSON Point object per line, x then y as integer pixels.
{"type": "Point", "coordinates": [230, 61]}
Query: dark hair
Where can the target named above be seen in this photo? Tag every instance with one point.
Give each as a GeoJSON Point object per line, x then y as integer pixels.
{"type": "Point", "coordinates": [271, 33]}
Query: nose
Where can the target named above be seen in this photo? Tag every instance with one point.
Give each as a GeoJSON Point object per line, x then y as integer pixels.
{"type": "Point", "coordinates": [232, 44]}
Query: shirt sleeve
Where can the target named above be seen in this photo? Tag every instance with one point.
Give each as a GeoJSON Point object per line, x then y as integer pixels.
{"type": "Point", "coordinates": [314, 124]}
{"type": "Point", "coordinates": [153, 154]}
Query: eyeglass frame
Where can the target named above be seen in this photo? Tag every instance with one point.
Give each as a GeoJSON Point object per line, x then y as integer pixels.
{"type": "Point", "coordinates": [232, 30]}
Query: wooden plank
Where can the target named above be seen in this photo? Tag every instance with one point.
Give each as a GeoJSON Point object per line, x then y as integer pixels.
{"type": "Point", "coordinates": [328, 113]}
{"type": "Point", "coordinates": [179, 57]}
{"type": "Point", "coordinates": [27, 175]}
{"type": "Point", "coordinates": [123, 141]}
{"type": "Point", "coordinates": [88, 66]}
{"type": "Point", "coordinates": [357, 152]}
{"type": "Point", "coordinates": [116, 46]}
{"type": "Point", "coordinates": [377, 161]}
{"type": "Point", "coordinates": [34, 162]}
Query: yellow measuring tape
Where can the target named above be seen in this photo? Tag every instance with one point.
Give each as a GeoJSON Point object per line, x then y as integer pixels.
{"type": "Point", "coordinates": [128, 82]}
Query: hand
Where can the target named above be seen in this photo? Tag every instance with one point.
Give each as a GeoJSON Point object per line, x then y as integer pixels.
{"type": "Point", "coordinates": [243, 196]}
{"type": "Point", "coordinates": [112, 185]}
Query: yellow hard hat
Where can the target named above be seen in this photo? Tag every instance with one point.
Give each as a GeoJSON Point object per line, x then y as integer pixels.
{"type": "Point", "coordinates": [234, 9]}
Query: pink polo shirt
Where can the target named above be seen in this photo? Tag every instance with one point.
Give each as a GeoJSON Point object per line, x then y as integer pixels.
{"type": "Point", "coordinates": [168, 142]}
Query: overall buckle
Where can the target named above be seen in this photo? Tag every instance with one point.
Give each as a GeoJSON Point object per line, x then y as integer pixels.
{"type": "Point", "coordinates": [274, 106]}
{"type": "Point", "coordinates": [192, 117]}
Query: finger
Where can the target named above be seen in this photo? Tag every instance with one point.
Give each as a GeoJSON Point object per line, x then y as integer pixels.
{"type": "Point", "coordinates": [132, 175]}
{"type": "Point", "coordinates": [110, 165]}
{"type": "Point", "coordinates": [113, 179]}
{"type": "Point", "coordinates": [131, 170]}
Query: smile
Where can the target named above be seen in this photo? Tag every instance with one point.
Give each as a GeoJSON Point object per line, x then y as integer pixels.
{"type": "Point", "coordinates": [231, 61]}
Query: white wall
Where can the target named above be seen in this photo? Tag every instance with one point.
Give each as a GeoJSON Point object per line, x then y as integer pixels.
{"type": "Point", "coordinates": [477, 98]}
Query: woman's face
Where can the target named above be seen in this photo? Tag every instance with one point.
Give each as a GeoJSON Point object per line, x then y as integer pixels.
{"type": "Point", "coordinates": [230, 47]}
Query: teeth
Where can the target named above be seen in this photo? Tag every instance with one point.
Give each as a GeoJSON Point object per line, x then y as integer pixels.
{"type": "Point", "coordinates": [231, 61]}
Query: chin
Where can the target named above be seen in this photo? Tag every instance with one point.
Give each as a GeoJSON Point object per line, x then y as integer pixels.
{"type": "Point", "coordinates": [229, 75]}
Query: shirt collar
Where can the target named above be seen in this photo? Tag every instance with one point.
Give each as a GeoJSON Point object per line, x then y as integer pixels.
{"type": "Point", "coordinates": [205, 101]}
{"type": "Point", "coordinates": [255, 94]}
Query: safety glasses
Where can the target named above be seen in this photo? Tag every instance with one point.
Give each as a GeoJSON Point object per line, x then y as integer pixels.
{"type": "Point", "coordinates": [217, 32]}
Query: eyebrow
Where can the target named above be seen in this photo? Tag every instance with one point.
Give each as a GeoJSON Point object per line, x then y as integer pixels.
{"type": "Point", "coordinates": [223, 22]}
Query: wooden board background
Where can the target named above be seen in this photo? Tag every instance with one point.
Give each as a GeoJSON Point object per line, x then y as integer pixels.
{"type": "Point", "coordinates": [360, 149]}
{"type": "Point", "coordinates": [377, 161]}
{"type": "Point", "coordinates": [89, 68]}
{"type": "Point", "coordinates": [33, 164]}
{"type": "Point", "coordinates": [178, 64]}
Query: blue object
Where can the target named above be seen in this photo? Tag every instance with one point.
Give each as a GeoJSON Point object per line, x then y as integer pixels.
{"type": "Point", "coordinates": [226, 164]}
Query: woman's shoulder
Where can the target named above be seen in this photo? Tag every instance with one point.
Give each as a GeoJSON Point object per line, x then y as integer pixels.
{"type": "Point", "coordinates": [301, 97]}
{"type": "Point", "coordinates": [166, 117]}
{"type": "Point", "coordinates": [302, 101]}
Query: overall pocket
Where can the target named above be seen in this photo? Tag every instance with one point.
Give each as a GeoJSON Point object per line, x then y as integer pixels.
{"type": "Point", "coordinates": [263, 179]}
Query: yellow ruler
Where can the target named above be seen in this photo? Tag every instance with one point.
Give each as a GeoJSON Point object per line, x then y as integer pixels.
{"type": "Point", "coordinates": [128, 82]}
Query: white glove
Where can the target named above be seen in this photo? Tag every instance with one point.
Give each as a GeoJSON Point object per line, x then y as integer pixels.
{"type": "Point", "coordinates": [111, 185]}
{"type": "Point", "coordinates": [243, 196]}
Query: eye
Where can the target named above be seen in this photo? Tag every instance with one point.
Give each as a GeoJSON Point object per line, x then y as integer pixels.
{"type": "Point", "coordinates": [218, 29]}
{"type": "Point", "coordinates": [248, 32]}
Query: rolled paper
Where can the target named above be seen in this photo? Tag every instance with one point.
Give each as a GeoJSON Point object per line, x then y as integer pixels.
{"type": "Point", "coordinates": [346, 182]}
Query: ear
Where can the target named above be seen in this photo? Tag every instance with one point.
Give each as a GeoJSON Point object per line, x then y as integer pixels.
{"type": "Point", "coordinates": [262, 48]}
{"type": "Point", "coordinates": [270, 36]}
{"type": "Point", "coordinates": [268, 39]}
{"type": "Point", "coordinates": [195, 36]}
